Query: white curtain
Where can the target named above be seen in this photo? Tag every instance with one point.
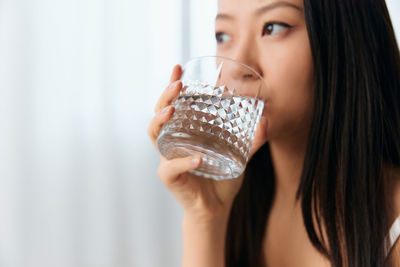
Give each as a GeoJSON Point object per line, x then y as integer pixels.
{"type": "Point", "coordinates": [394, 9]}
{"type": "Point", "coordinates": [78, 83]}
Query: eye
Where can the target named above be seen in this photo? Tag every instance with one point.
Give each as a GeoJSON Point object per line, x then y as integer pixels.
{"type": "Point", "coordinates": [272, 28]}
{"type": "Point", "coordinates": [222, 37]}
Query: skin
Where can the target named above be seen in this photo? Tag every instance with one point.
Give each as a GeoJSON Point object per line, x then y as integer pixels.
{"type": "Point", "coordinates": [255, 32]}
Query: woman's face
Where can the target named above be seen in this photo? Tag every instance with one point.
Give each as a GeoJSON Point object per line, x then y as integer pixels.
{"type": "Point", "coordinates": [271, 37]}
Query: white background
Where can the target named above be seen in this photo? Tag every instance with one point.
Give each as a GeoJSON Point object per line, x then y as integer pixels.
{"type": "Point", "coordinates": [78, 83]}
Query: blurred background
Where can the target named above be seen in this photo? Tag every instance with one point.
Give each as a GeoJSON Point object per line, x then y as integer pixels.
{"type": "Point", "coordinates": [78, 83]}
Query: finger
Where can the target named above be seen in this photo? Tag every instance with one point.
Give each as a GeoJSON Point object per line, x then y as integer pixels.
{"type": "Point", "coordinates": [158, 121]}
{"type": "Point", "coordinates": [172, 89]}
{"type": "Point", "coordinates": [176, 73]}
{"type": "Point", "coordinates": [168, 95]}
{"type": "Point", "coordinates": [170, 171]}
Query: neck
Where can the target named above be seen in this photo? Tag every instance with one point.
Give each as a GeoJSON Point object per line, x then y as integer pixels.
{"type": "Point", "coordinates": [287, 159]}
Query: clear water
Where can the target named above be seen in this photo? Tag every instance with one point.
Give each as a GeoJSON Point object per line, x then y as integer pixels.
{"type": "Point", "coordinates": [217, 125]}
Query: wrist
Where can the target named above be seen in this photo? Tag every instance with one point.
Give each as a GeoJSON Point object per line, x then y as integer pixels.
{"type": "Point", "coordinates": [205, 225]}
{"type": "Point", "coordinates": [204, 241]}
{"type": "Point", "coordinates": [207, 220]}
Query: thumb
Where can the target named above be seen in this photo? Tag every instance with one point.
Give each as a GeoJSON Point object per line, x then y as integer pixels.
{"type": "Point", "coordinates": [170, 171]}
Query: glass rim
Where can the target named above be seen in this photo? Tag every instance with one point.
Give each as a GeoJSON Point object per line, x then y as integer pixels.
{"type": "Point", "coordinates": [225, 58]}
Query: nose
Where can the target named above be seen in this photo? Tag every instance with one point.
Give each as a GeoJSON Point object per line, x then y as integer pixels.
{"type": "Point", "coordinates": [246, 52]}
{"type": "Point", "coordinates": [242, 76]}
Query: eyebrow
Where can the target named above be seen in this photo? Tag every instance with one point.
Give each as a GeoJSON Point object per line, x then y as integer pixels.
{"type": "Point", "coordinates": [263, 9]}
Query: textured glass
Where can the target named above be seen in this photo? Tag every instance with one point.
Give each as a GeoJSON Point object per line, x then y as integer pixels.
{"type": "Point", "coordinates": [213, 122]}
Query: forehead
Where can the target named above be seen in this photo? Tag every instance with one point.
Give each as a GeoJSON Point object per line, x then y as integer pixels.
{"type": "Point", "coordinates": [234, 5]}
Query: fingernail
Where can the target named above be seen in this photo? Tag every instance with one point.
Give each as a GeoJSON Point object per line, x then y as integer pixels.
{"type": "Point", "coordinates": [166, 109]}
{"type": "Point", "coordinates": [195, 161]}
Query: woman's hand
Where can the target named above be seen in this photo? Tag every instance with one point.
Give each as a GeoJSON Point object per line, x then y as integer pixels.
{"type": "Point", "coordinates": [203, 200]}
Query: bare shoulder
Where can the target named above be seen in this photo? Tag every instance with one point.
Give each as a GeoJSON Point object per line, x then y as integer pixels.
{"type": "Point", "coordinates": [395, 254]}
{"type": "Point", "coordinates": [394, 176]}
{"type": "Point", "coordinates": [396, 197]}
{"type": "Point", "coordinates": [396, 190]}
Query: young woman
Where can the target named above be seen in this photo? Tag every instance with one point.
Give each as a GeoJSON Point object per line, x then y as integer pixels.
{"type": "Point", "coordinates": [322, 187]}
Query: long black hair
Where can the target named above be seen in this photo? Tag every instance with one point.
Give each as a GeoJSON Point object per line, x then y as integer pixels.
{"type": "Point", "coordinates": [354, 134]}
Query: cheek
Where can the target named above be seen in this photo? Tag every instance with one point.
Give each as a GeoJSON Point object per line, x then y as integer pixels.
{"type": "Point", "coordinates": [290, 69]}
{"type": "Point", "coordinates": [289, 73]}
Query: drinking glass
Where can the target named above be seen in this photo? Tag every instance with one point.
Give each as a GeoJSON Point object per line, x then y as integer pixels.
{"type": "Point", "coordinates": [216, 116]}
